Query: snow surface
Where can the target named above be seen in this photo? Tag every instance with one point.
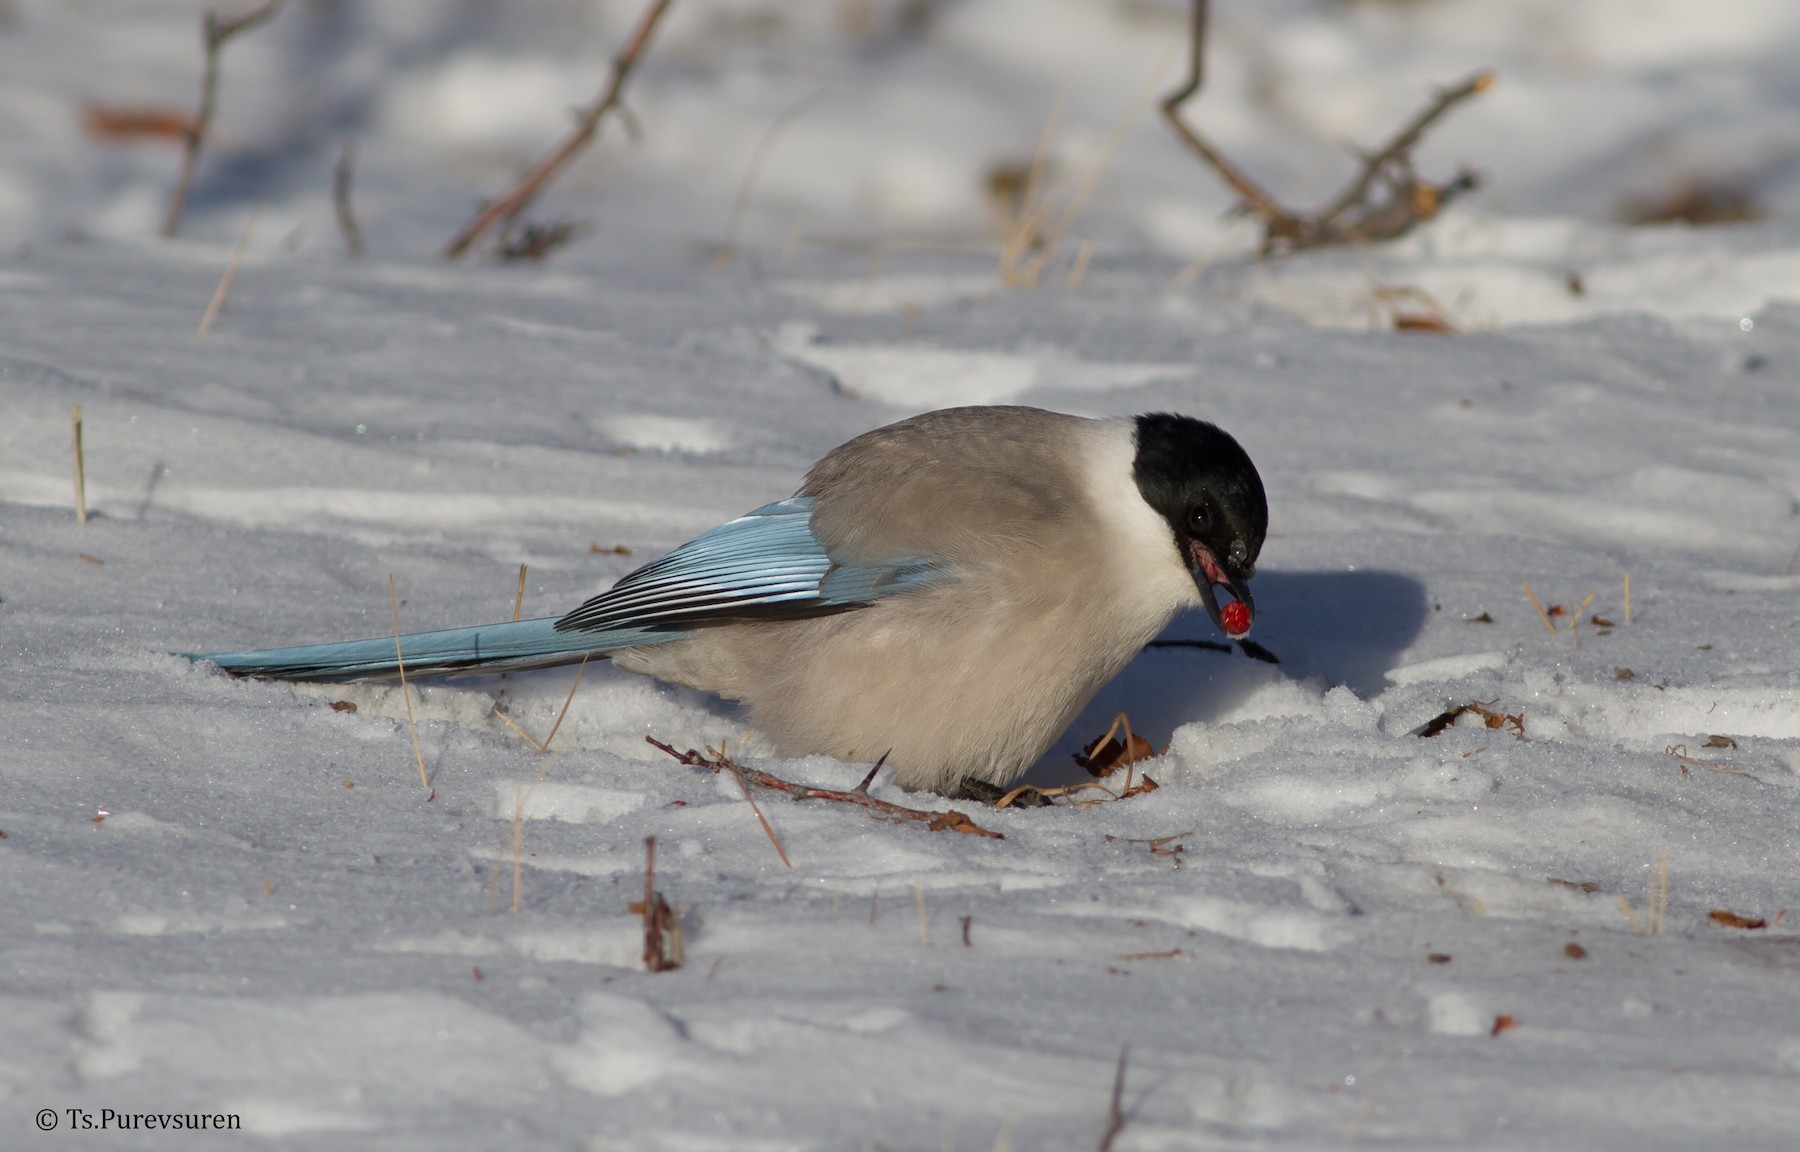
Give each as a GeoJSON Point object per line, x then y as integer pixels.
{"type": "Point", "coordinates": [230, 897]}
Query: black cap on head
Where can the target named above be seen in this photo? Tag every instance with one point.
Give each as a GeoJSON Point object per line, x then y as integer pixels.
{"type": "Point", "coordinates": [1202, 482]}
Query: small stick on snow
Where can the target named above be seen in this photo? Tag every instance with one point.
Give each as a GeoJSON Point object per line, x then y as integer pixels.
{"type": "Point", "coordinates": [521, 801]}
{"type": "Point", "coordinates": [340, 199]}
{"type": "Point", "coordinates": [80, 470]}
{"type": "Point", "coordinates": [513, 724]}
{"type": "Point", "coordinates": [1542, 615]}
{"type": "Point", "coordinates": [567, 700]}
{"type": "Point", "coordinates": [1115, 1112]}
{"type": "Point", "coordinates": [519, 600]}
{"type": "Point", "coordinates": [225, 281]}
{"type": "Point", "coordinates": [214, 32]}
{"type": "Point", "coordinates": [514, 202]}
{"type": "Point", "coordinates": [662, 925]}
{"type": "Point", "coordinates": [405, 694]}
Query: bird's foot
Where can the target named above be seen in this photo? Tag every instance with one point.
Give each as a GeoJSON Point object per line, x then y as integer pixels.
{"type": "Point", "coordinates": [981, 792]}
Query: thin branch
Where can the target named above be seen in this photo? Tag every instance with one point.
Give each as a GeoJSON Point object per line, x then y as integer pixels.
{"type": "Point", "coordinates": [1115, 1112]}
{"type": "Point", "coordinates": [662, 926]}
{"type": "Point", "coordinates": [80, 469]}
{"type": "Point", "coordinates": [214, 32]}
{"type": "Point", "coordinates": [340, 199]}
{"type": "Point", "coordinates": [509, 206]}
{"type": "Point", "coordinates": [1385, 200]}
{"type": "Point", "coordinates": [718, 762]}
{"type": "Point", "coordinates": [1259, 202]}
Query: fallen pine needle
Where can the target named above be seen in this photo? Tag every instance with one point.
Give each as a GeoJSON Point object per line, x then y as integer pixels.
{"type": "Point", "coordinates": [768, 829]}
{"type": "Point", "coordinates": [1543, 615]}
{"type": "Point", "coordinates": [405, 694]}
{"type": "Point", "coordinates": [519, 600]}
{"type": "Point", "coordinates": [225, 281]}
{"type": "Point", "coordinates": [567, 700]}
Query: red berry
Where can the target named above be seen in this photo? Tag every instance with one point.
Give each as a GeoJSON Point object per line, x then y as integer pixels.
{"type": "Point", "coordinates": [1236, 618]}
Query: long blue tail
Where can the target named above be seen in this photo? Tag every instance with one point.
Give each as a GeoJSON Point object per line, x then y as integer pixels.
{"type": "Point", "coordinates": [453, 651]}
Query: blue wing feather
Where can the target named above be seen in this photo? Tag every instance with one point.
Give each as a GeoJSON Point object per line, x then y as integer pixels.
{"type": "Point", "coordinates": [765, 563]}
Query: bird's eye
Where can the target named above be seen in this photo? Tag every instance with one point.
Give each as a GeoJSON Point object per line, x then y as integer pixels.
{"type": "Point", "coordinates": [1199, 520]}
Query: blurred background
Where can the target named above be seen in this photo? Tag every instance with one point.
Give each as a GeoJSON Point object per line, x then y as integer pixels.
{"type": "Point", "coordinates": [915, 119]}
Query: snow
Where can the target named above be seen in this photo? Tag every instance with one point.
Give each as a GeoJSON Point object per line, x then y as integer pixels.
{"type": "Point", "coordinates": [229, 897]}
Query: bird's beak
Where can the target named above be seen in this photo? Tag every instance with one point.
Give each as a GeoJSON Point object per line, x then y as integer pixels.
{"type": "Point", "coordinates": [1209, 574]}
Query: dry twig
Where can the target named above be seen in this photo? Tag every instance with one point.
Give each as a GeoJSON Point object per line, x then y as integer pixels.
{"type": "Point", "coordinates": [718, 762]}
{"type": "Point", "coordinates": [340, 199]}
{"type": "Point", "coordinates": [214, 32]}
{"type": "Point", "coordinates": [80, 470]}
{"type": "Point", "coordinates": [662, 926]}
{"type": "Point", "coordinates": [1385, 200]}
{"type": "Point", "coordinates": [508, 207]}
{"type": "Point", "coordinates": [1115, 1111]}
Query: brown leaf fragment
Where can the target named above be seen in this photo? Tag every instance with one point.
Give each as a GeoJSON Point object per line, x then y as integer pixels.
{"type": "Point", "coordinates": [120, 123]}
{"type": "Point", "coordinates": [1438, 957]}
{"type": "Point", "coordinates": [1144, 784]}
{"type": "Point", "coordinates": [1438, 723]}
{"type": "Point", "coordinates": [94, 560]}
{"type": "Point", "coordinates": [1503, 1023]}
{"type": "Point", "coordinates": [1699, 200]}
{"type": "Point", "coordinates": [1587, 886]}
{"type": "Point", "coordinates": [1717, 741]}
{"type": "Point", "coordinates": [1422, 322]}
{"type": "Point", "coordinates": [615, 550]}
{"type": "Point", "coordinates": [1490, 718]}
{"type": "Point", "coordinates": [1107, 754]}
{"type": "Point", "coordinates": [1574, 951]}
{"type": "Point", "coordinates": [1600, 621]}
{"type": "Point", "coordinates": [954, 821]}
{"type": "Point", "coordinates": [1727, 919]}
{"type": "Point", "coordinates": [343, 705]}
{"type": "Point", "coordinates": [1623, 674]}
{"type": "Point", "coordinates": [1484, 618]}
{"type": "Point", "coordinates": [1168, 954]}
{"type": "Point", "coordinates": [1556, 610]}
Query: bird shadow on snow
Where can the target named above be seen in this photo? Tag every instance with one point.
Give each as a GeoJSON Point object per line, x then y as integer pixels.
{"type": "Point", "coordinates": [1325, 628]}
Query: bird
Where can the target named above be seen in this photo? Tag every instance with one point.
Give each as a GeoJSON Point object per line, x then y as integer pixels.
{"type": "Point", "coordinates": [942, 594]}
